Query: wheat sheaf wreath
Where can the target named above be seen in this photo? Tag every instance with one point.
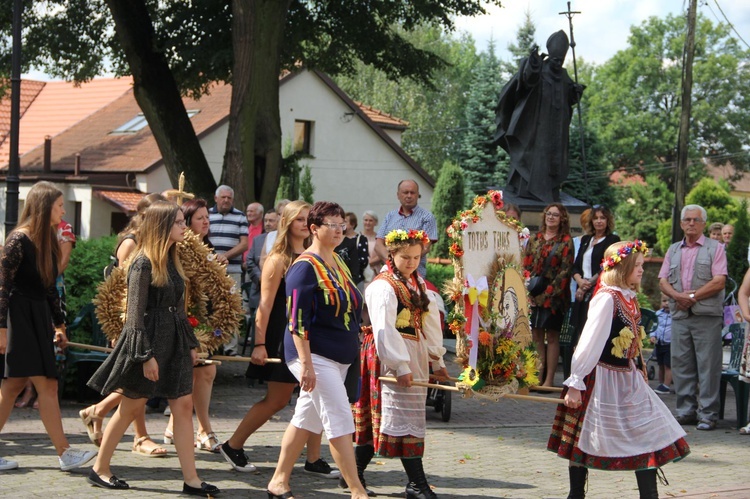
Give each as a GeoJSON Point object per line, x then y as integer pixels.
{"type": "Point", "coordinates": [207, 282]}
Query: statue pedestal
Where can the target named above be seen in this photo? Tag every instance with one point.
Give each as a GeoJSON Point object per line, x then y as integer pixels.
{"type": "Point", "coordinates": [533, 209]}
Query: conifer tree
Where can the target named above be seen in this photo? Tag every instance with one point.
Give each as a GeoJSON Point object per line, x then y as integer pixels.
{"type": "Point", "coordinates": [737, 250]}
{"type": "Point", "coordinates": [525, 41]}
{"type": "Point", "coordinates": [483, 163]}
{"type": "Point", "coordinates": [447, 200]}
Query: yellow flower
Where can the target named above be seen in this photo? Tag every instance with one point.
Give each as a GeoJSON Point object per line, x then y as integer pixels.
{"type": "Point", "coordinates": [403, 318]}
{"type": "Point", "coordinates": [470, 376]}
{"type": "Point", "coordinates": [622, 342]}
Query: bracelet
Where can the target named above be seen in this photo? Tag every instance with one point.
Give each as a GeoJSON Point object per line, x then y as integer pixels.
{"type": "Point", "coordinates": [259, 345]}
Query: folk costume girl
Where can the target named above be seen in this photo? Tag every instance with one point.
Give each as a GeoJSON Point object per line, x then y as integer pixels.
{"type": "Point", "coordinates": [612, 420]}
{"type": "Point", "coordinates": [405, 338]}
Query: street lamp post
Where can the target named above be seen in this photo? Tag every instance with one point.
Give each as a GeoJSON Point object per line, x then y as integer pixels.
{"type": "Point", "coordinates": [14, 167]}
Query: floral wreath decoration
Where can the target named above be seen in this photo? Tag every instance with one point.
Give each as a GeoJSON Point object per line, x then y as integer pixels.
{"type": "Point", "coordinates": [503, 365]}
{"type": "Point", "coordinates": [401, 236]}
{"type": "Point", "coordinates": [206, 282]}
{"type": "Point", "coordinates": [456, 229]}
{"type": "Point", "coordinates": [625, 251]}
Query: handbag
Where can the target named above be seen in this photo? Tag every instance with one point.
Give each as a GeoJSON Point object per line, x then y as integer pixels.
{"type": "Point", "coordinates": [732, 312]}
{"type": "Point", "coordinates": [539, 283]}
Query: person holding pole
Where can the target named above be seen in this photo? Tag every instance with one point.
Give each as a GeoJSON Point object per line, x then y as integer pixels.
{"type": "Point", "coordinates": [405, 339]}
{"type": "Point", "coordinates": [611, 419]}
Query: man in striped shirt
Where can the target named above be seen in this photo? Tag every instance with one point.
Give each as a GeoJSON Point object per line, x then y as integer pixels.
{"type": "Point", "coordinates": [228, 234]}
{"type": "Point", "coordinates": [408, 216]}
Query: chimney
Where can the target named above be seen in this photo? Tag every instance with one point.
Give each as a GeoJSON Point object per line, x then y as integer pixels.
{"type": "Point", "coordinates": [77, 167]}
{"type": "Point", "coordinates": [47, 165]}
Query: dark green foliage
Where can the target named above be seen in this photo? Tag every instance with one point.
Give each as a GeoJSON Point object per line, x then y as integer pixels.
{"type": "Point", "coordinates": [439, 274]}
{"type": "Point", "coordinates": [485, 165]}
{"type": "Point", "coordinates": [737, 251]}
{"type": "Point", "coordinates": [641, 208]}
{"type": "Point", "coordinates": [86, 271]}
{"type": "Point", "coordinates": [306, 187]}
{"type": "Point", "coordinates": [525, 41]}
{"type": "Point", "coordinates": [447, 200]}
{"type": "Point", "coordinates": [596, 188]}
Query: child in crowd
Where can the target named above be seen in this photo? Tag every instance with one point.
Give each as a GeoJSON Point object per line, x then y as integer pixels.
{"type": "Point", "coordinates": [661, 337]}
{"type": "Point", "coordinates": [611, 419]}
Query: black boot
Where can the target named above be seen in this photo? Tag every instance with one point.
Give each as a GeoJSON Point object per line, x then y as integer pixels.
{"type": "Point", "coordinates": [417, 488]}
{"type": "Point", "coordinates": [647, 484]}
{"type": "Point", "coordinates": [363, 455]}
{"type": "Point", "coordinates": [578, 476]}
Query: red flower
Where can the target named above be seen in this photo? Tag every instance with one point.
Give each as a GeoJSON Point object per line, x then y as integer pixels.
{"type": "Point", "coordinates": [193, 321]}
{"type": "Point", "coordinates": [549, 290]}
{"type": "Point", "coordinates": [565, 251]}
{"type": "Point", "coordinates": [554, 261]}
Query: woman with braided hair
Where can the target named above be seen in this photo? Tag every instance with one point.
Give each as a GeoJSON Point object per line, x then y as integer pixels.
{"type": "Point", "coordinates": [405, 339]}
{"type": "Point", "coordinates": [611, 419]}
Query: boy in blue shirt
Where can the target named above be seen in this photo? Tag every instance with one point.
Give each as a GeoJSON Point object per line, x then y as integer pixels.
{"type": "Point", "coordinates": [661, 337]}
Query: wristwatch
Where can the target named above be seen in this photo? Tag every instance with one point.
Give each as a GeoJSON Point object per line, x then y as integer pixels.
{"type": "Point", "coordinates": [692, 295]}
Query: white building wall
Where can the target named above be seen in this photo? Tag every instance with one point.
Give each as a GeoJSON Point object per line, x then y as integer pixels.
{"type": "Point", "coordinates": [351, 164]}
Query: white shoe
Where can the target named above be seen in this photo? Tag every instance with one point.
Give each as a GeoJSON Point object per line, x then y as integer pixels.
{"type": "Point", "coordinates": [6, 465]}
{"type": "Point", "coordinates": [168, 411]}
{"type": "Point", "coordinates": [75, 458]}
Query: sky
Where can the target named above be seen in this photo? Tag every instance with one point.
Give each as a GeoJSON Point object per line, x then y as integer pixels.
{"type": "Point", "coordinates": [601, 29]}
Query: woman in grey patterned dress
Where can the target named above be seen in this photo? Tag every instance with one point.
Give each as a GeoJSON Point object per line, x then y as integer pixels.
{"type": "Point", "coordinates": [155, 353]}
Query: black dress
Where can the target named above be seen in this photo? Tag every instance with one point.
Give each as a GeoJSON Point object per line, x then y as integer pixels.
{"type": "Point", "coordinates": [275, 332]}
{"type": "Point", "coordinates": [28, 309]}
{"type": "Point", "coordinates": [156, 326]}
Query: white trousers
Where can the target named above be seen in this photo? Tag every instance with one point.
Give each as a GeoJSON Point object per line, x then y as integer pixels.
{"type": "Point", "coordinates": [326, 407]}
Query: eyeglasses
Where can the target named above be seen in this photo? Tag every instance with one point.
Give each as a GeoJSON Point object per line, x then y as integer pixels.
{"type": "Point", "coordinates": [333, 226]}
{"type": "Point", "coordinates": [697, 220]}
{"type": "Point", "coordinates": [549, 214]}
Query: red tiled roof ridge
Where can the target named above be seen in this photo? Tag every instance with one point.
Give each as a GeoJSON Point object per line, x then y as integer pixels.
{"type": "Point", "coordinates": [381, 117]}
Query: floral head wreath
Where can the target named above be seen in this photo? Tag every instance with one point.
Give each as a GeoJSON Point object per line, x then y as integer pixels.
{"type": "Point", "coordinates": [624, 251]}
{"type": "Point", "coordinates": [394, 237]}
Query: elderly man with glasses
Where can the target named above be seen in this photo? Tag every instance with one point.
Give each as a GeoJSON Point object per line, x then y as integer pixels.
{"type": "Point", "coordinates": [693, 276]}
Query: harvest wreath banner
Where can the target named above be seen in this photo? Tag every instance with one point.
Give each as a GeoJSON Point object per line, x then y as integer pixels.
{"type": "Point", "coordinates": [214, 304]}
{"type": "Point", "coordinates": [490, 316]}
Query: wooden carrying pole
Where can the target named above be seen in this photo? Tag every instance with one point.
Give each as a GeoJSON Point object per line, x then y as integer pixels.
{"type": "Point", "coordinates": [95, 348]}
{"type": "Point", "coordinates": [515, 396]}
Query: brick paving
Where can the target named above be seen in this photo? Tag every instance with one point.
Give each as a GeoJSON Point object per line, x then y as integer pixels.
{"type": "Point", "coordinates": [487, 449]}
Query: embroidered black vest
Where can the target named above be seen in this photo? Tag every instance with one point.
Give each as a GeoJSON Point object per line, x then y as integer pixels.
{"type": "Point", "coordinates": [412, 331]}
{"type": "Point", "coordinates": [612, 356]}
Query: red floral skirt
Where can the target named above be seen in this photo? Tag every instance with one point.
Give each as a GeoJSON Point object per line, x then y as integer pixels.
{"type": "Point", "coordinates": [566, 429]}
{"type": "Point", "coordinates": [367, 411]}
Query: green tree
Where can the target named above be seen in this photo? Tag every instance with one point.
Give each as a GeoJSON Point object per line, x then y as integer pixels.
{"type": "Point", "coordinates": [737, 250]}
{"type": "Point", "coordinates": [715, 198]}
{"type": "Point", "coordinates": [247, 42]}
{"type": "Point", "coordinates": [483, 162]}
{"type": "Point", "coordinates": [525, 41]}
{"type": "Point", "coordinates": [595, 188]}
{"type": "Point", "coordinates": [434, 111]}
{"type": "Point", "coordinates": [306, 187]}
{"type": "Point", "coordinates": [641, 207]}
{"type": "Point", "coordinates": [634, 101]}
{"type": "Point", "coordinates": [447, 200]}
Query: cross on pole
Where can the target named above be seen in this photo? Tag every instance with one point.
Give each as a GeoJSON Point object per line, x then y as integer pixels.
{"type": "Point", "coordinates": [569, 14]}
{"type": "Point", "coordinates": [179, 194]}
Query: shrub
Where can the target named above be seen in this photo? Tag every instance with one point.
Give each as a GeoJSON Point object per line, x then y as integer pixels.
{"type": "Point", "coordinates": [447, 200]}
{"type": "Point", "coordinates": [85, 271]}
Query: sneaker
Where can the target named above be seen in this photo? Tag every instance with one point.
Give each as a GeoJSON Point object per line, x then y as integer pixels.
{"type": "Point", "coordinates": [321, 468]}
{"type": "Point", "coordinates": [237, 458]}
{"type": "Point", "coordinates": [6, 465]}
{"type": "Point", "coordinates": [662, 389]}
{"type": "Point", "coordinates": [75, 458]}
{"type": "Point", "coordinates": [705, 425]}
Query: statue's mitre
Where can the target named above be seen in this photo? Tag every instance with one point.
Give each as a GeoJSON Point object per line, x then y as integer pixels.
{"type": "Point", "coordinates": [557, 45]}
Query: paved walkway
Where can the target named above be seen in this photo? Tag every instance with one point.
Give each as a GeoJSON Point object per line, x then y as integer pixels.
{"type": "Point", "coordinates": [486, 450]}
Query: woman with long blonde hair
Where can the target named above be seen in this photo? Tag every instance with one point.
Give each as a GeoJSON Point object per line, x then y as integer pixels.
{"type": "Point", "coordinates": [93, 415]}
{"type": "Point", "coordinates": [270, 326]}
{"type": "Point", "coordinates": [29, 306]}
{"type": "Point", "coordinates": [156, 351]}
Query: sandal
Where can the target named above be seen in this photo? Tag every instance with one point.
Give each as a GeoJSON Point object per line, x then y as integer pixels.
{"type": "Point", "coordinates": [208, 442]}
{"type": "Point", "coordinates": [89, 417]}
{"type": "Point", "coordinates": [168, 437]}
{"type": "Point", "coordinates": [156, 451]}
{"type": "Point", "coordinates": [745, 430]}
